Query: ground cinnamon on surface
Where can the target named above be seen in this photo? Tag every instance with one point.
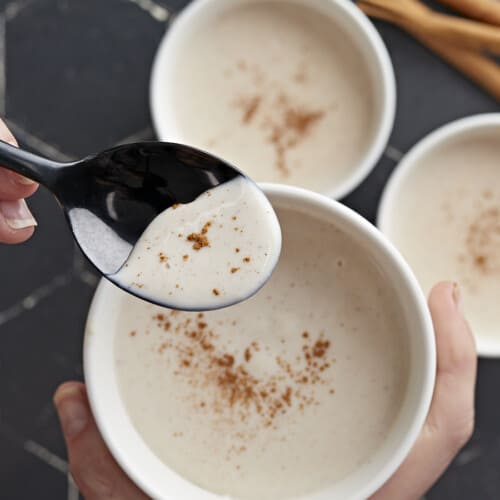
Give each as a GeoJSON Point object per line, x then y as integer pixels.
{"type": "Point", "coordinates": [292, 127]}
{"type": "Point", "coordinates": [281, 118]}
{"type": "Point", "coordinates": [249, 107]}
{"type": "Point", "coordinates": [483, 241]}
{"type": "Point", "coordinates": [248, 354]}
{"type": "Point", "coordinates": [200, 239]}
{"type": "Point", "coordinates": [224, 381]}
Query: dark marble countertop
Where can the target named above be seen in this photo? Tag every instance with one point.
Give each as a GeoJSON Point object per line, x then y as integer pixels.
{"type": "Point", "coordinates": [73, 80]}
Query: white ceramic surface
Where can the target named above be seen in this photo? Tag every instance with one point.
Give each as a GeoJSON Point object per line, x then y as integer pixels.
{"type": "Point", "coordinates": [158, 480]}
{"type": "Point", "coordinates": [341, 13]}
{"type": "Point", "coordinates": [462, 128]}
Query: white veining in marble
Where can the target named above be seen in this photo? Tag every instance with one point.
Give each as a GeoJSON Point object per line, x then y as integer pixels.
{"type": "Point", "coordinates": [73, 493]}
{"type": "Point", "coordinates": [156, 11]}
{"type": "Point", "coordinates": [12, 9]}
{"type": "Point", "coordinates": [393, 153]}
{"type": "Point", "coordinates": [46, 456]}
{"type": "Point", "coordinates": [32, 300]}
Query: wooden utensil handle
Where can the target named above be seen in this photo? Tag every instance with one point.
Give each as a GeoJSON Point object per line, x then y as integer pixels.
{"type": "Point", "coordinates": [466, 33]}
{"type": "Point", "coordinates": [484, 71]}
{"type": "Point", "coordinates": [483, 10]}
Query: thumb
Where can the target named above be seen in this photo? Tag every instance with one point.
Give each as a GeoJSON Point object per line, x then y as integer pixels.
{"type": "Point", "coordinates": [450, 420]}
{"type": "Point", "coordinates": [94, 470]}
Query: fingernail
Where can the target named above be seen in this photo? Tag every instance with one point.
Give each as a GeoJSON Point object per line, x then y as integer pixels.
{"type": "Point", "coordinates": [457, 297]}
{"type": "Point", "coordinates": [20, 179]}
{"type": "Point", "coordinates": [73, 411]}
{"type": "Point", "coordinates": [17, 214]}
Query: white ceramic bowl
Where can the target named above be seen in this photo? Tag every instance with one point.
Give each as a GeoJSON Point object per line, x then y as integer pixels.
{"type": "Point", "coordinates": [341, 13]}
{"type": "Point", "coordinates": [156, 479]}
{"type": "Point", "coordinates": [474, 126]}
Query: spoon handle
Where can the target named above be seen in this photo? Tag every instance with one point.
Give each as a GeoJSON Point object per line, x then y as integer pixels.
{"type": "Point", "coordinates": [29, 165]}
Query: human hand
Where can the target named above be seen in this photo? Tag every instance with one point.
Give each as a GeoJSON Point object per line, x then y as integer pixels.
{"type": "Point", "coordinates": [16, 221]}
{"type": "Point", "coordinates": [448, 426]}
{"type": "Point", "coordinates": [94, 470]}
{"type": "Point", "coordinates": [450, 421]}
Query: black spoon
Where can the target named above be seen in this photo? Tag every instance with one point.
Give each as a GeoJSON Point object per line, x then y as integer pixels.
{"type": "Point", "coordinates": [109, 199]}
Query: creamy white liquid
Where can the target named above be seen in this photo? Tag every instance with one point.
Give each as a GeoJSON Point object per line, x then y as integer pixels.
{"type": "Point", "coordinates": [283, 394]}
{"type": "Point", "coordinates": [210, 253]}
{"type": "Point", "coordinates": [446, 222]}
{"type": "Point", "coordinates": [278, 90]}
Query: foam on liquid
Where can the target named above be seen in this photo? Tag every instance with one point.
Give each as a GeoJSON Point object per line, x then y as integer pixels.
{"type": "Point", "coordinates": [281, 395]}
{"type": "Point", "coordinates": [277, 90]}
{"type": "Point", "coordinates": [215, 251]}
{"type": "Point", "coordinates": [447, 224]}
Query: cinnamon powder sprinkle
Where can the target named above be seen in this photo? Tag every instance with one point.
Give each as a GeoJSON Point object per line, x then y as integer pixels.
{"type": "Point", "coordinates": [287, 396]}
{"type": "Point", "coordinates": [206, 364]}
{"type": "Point", "coordinates": [234, 270]}
{"type": "Point", "coordinates": [133, 333]}
{"type": "Point", "coordinates": [294, 126]}
{"type": "Point", "coordinates": [248, 354]}
{"type": "Point", "coordinates": [185, 257]}
{"type": "Point", "coordinates": [246, 259]}
{"type": "Point", "coordinates": [284, 122]}
{"type": "Point", "coordinates": [250, 107]}
{"type": "Point", "coordinates": [215, 291]}
{"type": "Point", "coordinates": [162, 257]}
{"type": "Point", "coordinates": [225, 360]}
{"type": "Point", "coordinates": [320, 347]}
{"type": "Point", "coordinates": [199, 239]}
{"type": "Point", "coordinates": [483, 241]}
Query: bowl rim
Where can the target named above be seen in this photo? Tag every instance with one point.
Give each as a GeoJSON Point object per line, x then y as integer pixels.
{"type": "Point", "coordinates": [411, 160]}
{"type": "Point", "coordinates": [383, 124]}
{"type": "Point", "coordinates": [108, 425]}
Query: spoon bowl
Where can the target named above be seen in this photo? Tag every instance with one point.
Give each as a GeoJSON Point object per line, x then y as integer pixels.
{"type": "Point", "coordinates": [111, 198]}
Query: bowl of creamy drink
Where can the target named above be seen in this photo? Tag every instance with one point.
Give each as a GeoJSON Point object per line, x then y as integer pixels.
{"type": "Point", "coordinates": [441, 208]}
{"type": "Point", "coordinates": [299, 92]}
{"type": "Point", "coordinates": [314, 388]}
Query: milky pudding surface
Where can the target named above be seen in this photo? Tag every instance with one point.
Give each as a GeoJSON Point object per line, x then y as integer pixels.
{"type": "Point", "coordinates": [278, 90]}
{"type": "Point", "coordinates": [446, 223]}
{"type": "Point", "coordinates": [283, 394]}
{"type": "Point", "coordinates": [215, 251]}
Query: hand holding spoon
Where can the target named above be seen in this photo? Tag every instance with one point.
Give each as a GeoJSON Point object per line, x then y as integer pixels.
{"type": "Point", "coordinates": [112, 198]}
